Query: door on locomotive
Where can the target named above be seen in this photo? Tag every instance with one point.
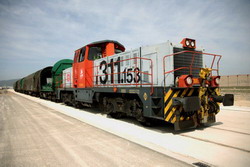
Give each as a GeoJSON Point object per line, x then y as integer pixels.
{"type": "Point", "coordinates": [83, 66]}
{"type": "Point", "coordinates": [79, 68]}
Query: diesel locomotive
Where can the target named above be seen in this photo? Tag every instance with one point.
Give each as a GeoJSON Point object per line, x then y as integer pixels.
{"type": "Point", "coordinates": [176, 83]}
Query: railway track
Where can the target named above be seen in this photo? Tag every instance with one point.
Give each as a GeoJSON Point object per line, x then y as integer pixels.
{"type": "Point", "coordinates": [230, 130]}
{"type": "Point", "coordinates": [224, 145]}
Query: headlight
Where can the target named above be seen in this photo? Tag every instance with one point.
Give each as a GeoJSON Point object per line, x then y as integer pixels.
{"type": "Point", "coordinates": [185, 81]}
{"type": "Point", "coordinates": [217, 80]}
{"type": "Point", "coordinates": [192, 43]}
{"type": "Point", "coordinates": [188, 43]}
{"type": "Point", "coordinates": [189, 80]}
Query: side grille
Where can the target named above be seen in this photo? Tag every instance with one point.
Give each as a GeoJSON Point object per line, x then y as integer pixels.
{"type": "Point", "coordinates": [185, 60]}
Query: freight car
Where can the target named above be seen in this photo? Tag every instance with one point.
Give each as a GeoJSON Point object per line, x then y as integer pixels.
{"type": "Point", "coordinates": [38, 82]}
{"type": "Point", "coordinates": [44, 82]}
{"type": "Point", "coordinates": [178, 83]}
{"type": "Point", "coordinates": [18, 85]}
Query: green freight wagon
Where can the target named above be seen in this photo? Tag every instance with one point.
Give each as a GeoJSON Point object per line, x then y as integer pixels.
{"type": "Point", "coordinates": [57, 72]}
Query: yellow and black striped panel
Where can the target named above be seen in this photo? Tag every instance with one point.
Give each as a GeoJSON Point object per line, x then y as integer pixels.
{"type": "Point", "coordinates": [169, 110]}
{"type": "Point", "coordinates": [217, 92]}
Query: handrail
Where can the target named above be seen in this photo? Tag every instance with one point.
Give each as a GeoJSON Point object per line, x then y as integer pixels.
{"type": "Point", "coordinates": [190, 67]}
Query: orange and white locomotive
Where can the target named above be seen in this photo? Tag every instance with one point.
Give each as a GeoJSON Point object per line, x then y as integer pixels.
{"type": "Point", "coordinates": [174, 83]}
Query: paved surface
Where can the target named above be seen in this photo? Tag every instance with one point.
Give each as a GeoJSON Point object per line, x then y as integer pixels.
{"type": "Point", "coordinates": [225, 143]}
{"type": "Point", "coordinates": [34, 135]}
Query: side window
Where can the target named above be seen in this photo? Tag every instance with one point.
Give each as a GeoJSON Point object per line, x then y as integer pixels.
{"type": "Point", "coordinates": [95, 53]}
{"type": "Point", "coordinates": [82, 55]}
{"type": "Point", "coordinates": [76, 57]}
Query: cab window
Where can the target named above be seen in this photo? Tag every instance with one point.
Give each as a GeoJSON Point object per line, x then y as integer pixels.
{"type": "Point", "coordinates": [95, 53]}
{"type": "Point", "coordinates": [76, 57]}
{"type": "Point", "coordinates": [82, 54]}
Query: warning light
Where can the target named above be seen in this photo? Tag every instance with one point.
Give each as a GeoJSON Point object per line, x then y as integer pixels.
{"type": "Point", "coordinates": [188, 43]}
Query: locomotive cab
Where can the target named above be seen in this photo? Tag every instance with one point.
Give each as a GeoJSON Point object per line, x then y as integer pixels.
{"type": "Point", "coordinates": [84, 57]}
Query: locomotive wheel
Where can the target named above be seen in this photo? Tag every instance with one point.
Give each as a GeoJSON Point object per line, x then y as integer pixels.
{"type": "Point", "coordinates": [112, 112]}
{"type": "Point", "coordinates": [139, 115]}
{"type": "Point", "coordinates": [116, 115]}
{"type": "Point", "coordinates": [141, 119]}
{"type": "Point", "coordinates": [77, 104]}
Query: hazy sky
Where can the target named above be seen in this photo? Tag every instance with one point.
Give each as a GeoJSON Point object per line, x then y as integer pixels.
{"type": "Point", "coordinates": [36, 33]}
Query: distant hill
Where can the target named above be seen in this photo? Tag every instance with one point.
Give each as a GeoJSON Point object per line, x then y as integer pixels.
{"type": "Point", "coordinates": [7, 82]}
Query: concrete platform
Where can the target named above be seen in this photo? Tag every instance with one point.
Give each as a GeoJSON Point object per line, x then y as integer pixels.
{"type": "Point", "coordinates": [32, 134]}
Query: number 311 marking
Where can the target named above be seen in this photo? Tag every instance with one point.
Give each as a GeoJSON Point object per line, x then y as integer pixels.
{"type": "Point", "coordinates": [122, 77]}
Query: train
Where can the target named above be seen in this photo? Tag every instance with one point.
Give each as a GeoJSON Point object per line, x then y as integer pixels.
{"type": "Point", "coordinates": [174, 83]}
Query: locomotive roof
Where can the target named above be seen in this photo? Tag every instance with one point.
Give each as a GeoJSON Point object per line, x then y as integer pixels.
{"type": "Point", "coordinates": [106, 41]}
